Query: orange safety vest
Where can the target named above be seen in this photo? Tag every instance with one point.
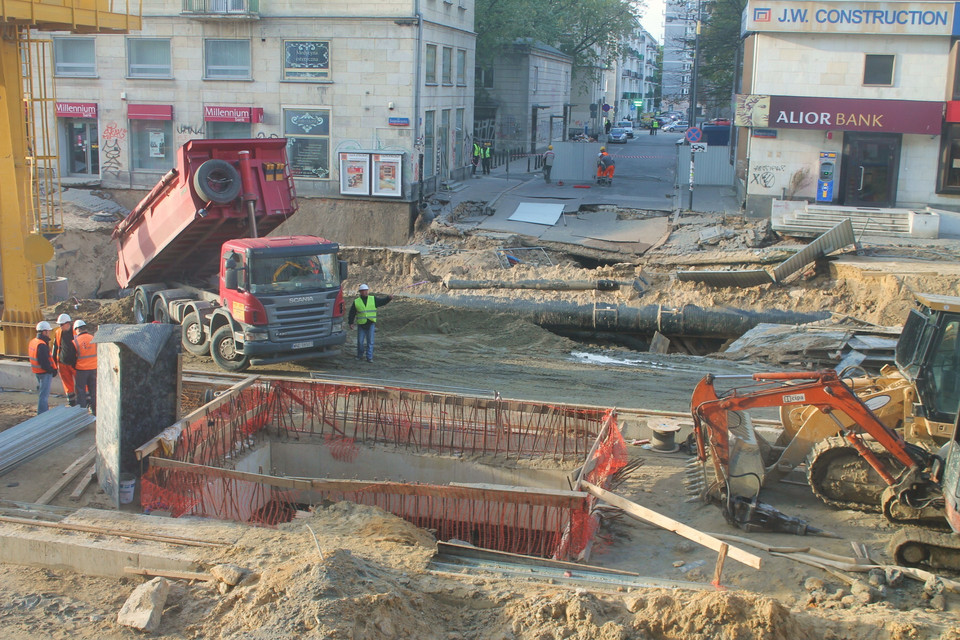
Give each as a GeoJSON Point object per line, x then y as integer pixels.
{"type": "Point", "coordinates": [86, 352]}
{"type": "Point", "coordinates": [34, 359]}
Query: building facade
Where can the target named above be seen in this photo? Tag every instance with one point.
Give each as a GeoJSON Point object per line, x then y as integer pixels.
{"type": "Point", "coordinates": [844, 103]}
{"type": "Point", "coordinates": [384, 87]}
{"type": "Point", "coordinates": [636, 76]}
{"type": "Point", "coordinates": [679, 31]}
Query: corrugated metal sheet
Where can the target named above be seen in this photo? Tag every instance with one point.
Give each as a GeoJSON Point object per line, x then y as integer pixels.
{"type": "Point", "coordinates": [41, 433]}
{"type": "Point", "coordinates": [834, 240]}
{"type": "Point", "coordinates": [711, 168]}
{"type": "Point", "coordinates": [751, 278]}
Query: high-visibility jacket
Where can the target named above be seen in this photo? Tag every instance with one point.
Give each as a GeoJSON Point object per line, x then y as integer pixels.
{"type": "Point", "coordinates": [86, 352]}
{"type": "Point", "coordinates": [63, 349]}
{"type": "Point", "coordinates": [366, 312]}
{"type": "Point", "coordinates": [36, 353]}
{"type": "Point", "coordinates": [476, 149]}
{"type": "Point", "coordinates": [486, 152]}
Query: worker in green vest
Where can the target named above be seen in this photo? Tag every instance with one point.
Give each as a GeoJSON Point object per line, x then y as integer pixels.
{"type": "Point", "coordinates": [486, 155]}
{"type": "Point", "coordinates": [477, 152]}
{"type": "Point", "coordinates": [363, 312]}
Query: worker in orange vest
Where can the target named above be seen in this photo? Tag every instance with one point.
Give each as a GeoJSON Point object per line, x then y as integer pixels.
{"type": "Point", "coordinates": [86, 367]}
{"type": "Point", "coordinates": [41, 363]}
{"type": "Point", "coordinates": [65, 356]}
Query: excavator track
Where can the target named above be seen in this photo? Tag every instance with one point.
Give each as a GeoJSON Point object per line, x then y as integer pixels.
{"type": "Point", "coordinates": [913, 547]}
{"type": "Point", "coordinates": [841, 478]}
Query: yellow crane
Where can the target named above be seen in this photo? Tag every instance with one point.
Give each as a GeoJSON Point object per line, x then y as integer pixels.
{"type": "Point", "coordinates": [27, 155]}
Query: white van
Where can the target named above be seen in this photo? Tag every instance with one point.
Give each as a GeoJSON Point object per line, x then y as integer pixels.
{"type": "Point", "coordinates": [626, 124]}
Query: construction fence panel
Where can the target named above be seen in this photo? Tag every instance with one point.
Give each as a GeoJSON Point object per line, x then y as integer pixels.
{"type": "Point", "coordinates": [711, 167]}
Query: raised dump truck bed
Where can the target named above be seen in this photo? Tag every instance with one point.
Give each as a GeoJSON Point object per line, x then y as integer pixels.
{"type": "Point", "coordinates": [176, 231]}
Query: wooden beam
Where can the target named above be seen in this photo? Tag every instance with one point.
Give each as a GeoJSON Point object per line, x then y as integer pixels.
{"type": "Point", "coordinates": [634, 510]}
{"type": "Point", "coordinates": [69, 474]}
{"type": "Point", "coordinates": [169, 573]}
{"type": "Point", "coordinates": [153, 444]}
{"type": "Point", "coordinates": [85, 481]}
{"type": "Point", "coordinates": [189, 542]}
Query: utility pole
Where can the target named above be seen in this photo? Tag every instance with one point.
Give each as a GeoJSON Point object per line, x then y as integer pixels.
{"type": "Point", "coordinates": [692, 120]}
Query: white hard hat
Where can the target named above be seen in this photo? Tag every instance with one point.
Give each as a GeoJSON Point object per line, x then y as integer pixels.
{"type": "Point", "coordinates": [78, 324]}
{"type": "Point", "coordinates": [43, 325]}
{"type": "Point", "coordinates": [63, 319]}
{"type": "Point", "coordinates": [363, 287]}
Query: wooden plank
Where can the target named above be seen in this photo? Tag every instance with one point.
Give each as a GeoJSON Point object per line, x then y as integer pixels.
{"type": "Point", "coordinates": [69, 474]}
{"type": "Point", "coordinates": [721, 557]}
{"type": "Point", "coordinates": [634, 510]}
{"type": "Point", "coordinates": [189, 542]}
{"type": "Point", "coordinates": [169, 573]}
{"type": "Point", "coordinates": [153, 444]}
{"type": "Point", "coordinates": [85, 481]}
{"type": "Point", "coordinates": [503, 493]}
{"type": "Point", "coordinates": [596, 444]}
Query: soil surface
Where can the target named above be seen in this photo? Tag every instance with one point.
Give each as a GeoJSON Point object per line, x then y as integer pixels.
{"type": "Point", "coordinates": [372, 578]}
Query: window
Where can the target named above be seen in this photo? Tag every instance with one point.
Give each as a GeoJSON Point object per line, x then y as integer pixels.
{"type": "Point", "coordinates": [444, 141]}
{"type": "Point", "coordinates": [306, 60]}
{"type": "Point", "coordinates": [458, 138]}
{"type": "Point", "coordinates": [75, 57]}
{"type": "Point", "coordinates": [429, 152]}
{"type": "Point", "coordinates": [226, 59]}
{"type": "Point", "coordinates": [148, 58]}
{"type": "Point", "coordinates": [431, 64]}
{"type": "Point", "coordinates": [536, 78]}
{"type": "Point", "coordinates": [878, 70]}
{"type": "Point", "coordinates": [308, 142]}
{"type": "Point", "coordinates": [151, 144]}
{"type": "Point", "coordinates": [483, 77]}
{"type": "Point", "coordinates": [228, 130]}
{"type": "Point", "coordinates": [461, 68]}
{"type": "Point", "coordinates": [446, 66]}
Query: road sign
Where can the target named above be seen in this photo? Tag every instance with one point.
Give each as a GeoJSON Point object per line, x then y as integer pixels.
{"type": "Point", "coordinates": [694, 134]}
{"type": "Point", "coordinates": [607, 107]}
{"type": "Point", "coordinates": [698, 147]}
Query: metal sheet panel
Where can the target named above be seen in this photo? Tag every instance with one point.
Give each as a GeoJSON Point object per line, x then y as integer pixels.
{"type": "Point", "coordinates": [743, 279]}
{"type": "Point", "coordinates": [834, 240]}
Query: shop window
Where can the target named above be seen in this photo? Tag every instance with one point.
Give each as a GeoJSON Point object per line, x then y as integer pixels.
{"type": "Point", "coordinates": [458, 159]}
{"type": "Point", "coordinates": [228, 130]}
{"type": "Point", "coordinates": [306, 60]}
{"type": "Point", "coordinates": [75, 57]}
{"type": "Point", "coordinates": [446, 65]}
{"type": "Point", "coordinates": [949, 170]}
{"type": "Point", "coordinates": [430, 64]}
{"type": "Point", "coordinates": [148, 58]}
{"type": "Point", "coordinates": [226, 59]}
{"type": "Point", "coordinates": [878, 70]}
{"type": "Point", "coordinates": [308, 142]}
{"type": "Point", "coordinates": [151, 144]}
{"type": "Point", "coordinates": [429, 144]}
{"type": "Point", "coordinates": [461, 68]}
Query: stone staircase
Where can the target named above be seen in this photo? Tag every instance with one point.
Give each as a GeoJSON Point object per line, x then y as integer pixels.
{"type": "Point", "coordinates": [810, 220]}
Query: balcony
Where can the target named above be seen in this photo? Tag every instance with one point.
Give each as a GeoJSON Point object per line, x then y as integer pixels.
{"type": "Point", "coordinates": [221, 9]}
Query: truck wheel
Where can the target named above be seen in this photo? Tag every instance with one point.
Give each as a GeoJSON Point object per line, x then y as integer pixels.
{"type": "Point", "coordinates": [141, 310]}
{"type": "Point", "coordinates": [160, 311]}
{"type": "Point", "coordinates": [192, 335]}
{"type": "Point", "coordinates": [223, 350]}
{"type": "Point", "coordinates": [217, 181]}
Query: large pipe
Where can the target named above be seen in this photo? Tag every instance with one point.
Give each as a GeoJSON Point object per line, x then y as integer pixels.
{"type": "Point", "coordinates": [689, 320]}
{"type": "Point", "coordinates": [541, 285]}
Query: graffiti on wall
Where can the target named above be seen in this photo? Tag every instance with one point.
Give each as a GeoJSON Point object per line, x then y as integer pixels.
{"type": "Point", "coordinates": [766, 175]}
{"type": "Point", "coordinates": [110, 154]}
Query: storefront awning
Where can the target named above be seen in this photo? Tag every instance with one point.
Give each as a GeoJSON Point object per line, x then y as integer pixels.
{"type": "Point", "coordinates": [150, 111]}
{"type": "Point", "coordinates": [212, 113]}
{"type": "Point", "coordinates": [76, 110]}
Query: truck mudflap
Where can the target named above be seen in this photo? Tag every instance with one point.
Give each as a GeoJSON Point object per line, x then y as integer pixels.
{"type": "Point", "coordinates": [268, 353]}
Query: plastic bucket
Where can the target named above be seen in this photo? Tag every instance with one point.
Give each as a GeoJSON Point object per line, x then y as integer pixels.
{"type": "Point", "coordinates": [128, 482]}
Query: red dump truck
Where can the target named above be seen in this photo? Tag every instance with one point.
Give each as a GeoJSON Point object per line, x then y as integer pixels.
{"type": "Point", "coordinates": [194, 252]}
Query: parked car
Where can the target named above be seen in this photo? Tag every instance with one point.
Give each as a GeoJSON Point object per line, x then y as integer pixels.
{"type": "Point", "coordinates": [628, 125]}
{"type": "Point", "coordinates": [679, 126]}
{"type": "Point", "coordinates": [617, 135]}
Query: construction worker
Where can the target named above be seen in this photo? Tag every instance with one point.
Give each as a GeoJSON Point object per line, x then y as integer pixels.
{"type": "Point", "coordinates": [487, 153]}
{"type": "Point", "coordinates": [548, 158]}
{"type": "Point", "coordinates": [41, 363]}
{"type": "Point", "coordinates": [605, 167]}
{"type": "Point", "coordinates": [86, 367]}
{"type": "Point", "coordinates": [654, 126]}
{"type": "Point", "coordinates": [477, 152]}
{"type": "Point", "coordinates": [364, 312]}
{"type": "Point", "coordinates": [65, 356]}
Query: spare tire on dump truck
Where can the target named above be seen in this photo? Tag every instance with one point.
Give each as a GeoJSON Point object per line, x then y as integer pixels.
{"type": "Point", "coordinates": [217, 181]}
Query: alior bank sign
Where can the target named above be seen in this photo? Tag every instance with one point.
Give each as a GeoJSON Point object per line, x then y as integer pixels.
{"type": "Point", "coordinates": [901, 18]}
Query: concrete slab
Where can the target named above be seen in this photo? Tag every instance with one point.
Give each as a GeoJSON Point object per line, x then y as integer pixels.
{"type": "Point", "coordinates": [17, 376]}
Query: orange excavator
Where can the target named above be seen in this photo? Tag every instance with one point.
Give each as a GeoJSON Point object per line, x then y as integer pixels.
{"type": "Point", "coordinates": [733, 458]}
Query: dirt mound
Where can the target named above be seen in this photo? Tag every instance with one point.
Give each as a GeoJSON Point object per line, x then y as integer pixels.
{"type": "Point", "coordinates": [88, 260]}
{"type": "Point", "coordinates": [95, 312]}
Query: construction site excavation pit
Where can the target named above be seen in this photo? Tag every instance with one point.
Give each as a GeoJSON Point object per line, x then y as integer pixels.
{"type": "Point", "coordinates": [490, 472]}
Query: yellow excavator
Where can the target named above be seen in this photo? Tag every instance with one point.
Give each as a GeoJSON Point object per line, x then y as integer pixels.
{"type": "Point", "coordinates": [28, 215]}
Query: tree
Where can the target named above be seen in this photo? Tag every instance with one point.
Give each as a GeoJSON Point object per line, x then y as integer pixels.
{"type": "Point", "coordinates": [590, 31]}
{"type": "Point", "coordinates": [719, 43]}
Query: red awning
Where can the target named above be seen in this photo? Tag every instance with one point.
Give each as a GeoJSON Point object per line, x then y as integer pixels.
{"type": "Point", "coordinates": [953, 111]}
{"type": "Point", "coordinates": [76, 109]}
{"type": "Point", "coordinates": [213, 113]}
{"type": "Point", "coordinates": [150, 111]}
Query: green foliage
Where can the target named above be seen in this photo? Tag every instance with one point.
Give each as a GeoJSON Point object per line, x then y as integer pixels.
{"type": "Point", "coordinates": [719, 41]}
{"type": "Point", "coordinates": [590, 31]}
